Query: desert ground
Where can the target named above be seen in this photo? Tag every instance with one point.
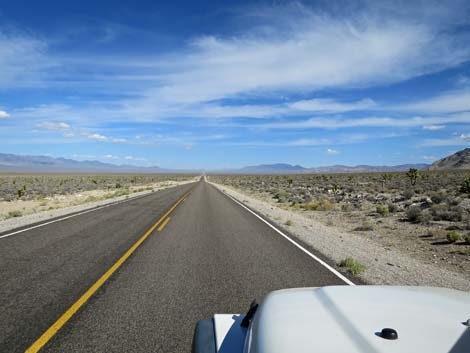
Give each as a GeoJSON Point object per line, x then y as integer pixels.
{"type": "Point", "coordinates": [26, 194]}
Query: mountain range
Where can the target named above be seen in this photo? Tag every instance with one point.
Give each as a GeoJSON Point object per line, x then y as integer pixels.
{"type": "Point", "coordinates": [458, 160]}
{"type": "Point", "coordinates": [44, 164]}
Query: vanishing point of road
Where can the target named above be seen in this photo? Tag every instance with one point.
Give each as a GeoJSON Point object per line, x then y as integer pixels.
{"type": "Point", "coordinates": [136, 276]}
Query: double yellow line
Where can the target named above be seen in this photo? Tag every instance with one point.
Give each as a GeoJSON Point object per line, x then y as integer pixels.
{"type": "Point", "coordinates": [65, 317]}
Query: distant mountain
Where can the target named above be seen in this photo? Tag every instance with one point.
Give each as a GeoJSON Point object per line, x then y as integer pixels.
{"type": "Point", "coordinates": [279, 168]}
{"type": "Point", "coordinates": [20, 163]}
{"type": "Point", "coordinates": [366, 168]}
{"type": "Point", "coordinates": [458, 160]}
{"type": "Point", "coordinates": [282, 168]}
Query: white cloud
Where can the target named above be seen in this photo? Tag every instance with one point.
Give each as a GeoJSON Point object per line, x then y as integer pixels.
{"type": "Point", "coordinates": [434, 127]}
{"type": "Point", "coordinates": [429, 158]}
{"type": "Point", "coordinates": [23, 59]}
{"type": "Point", "coordinates": [461, 140]}
{"type": "Point", "coordinates": [449, 102]}
{"type": "Point", "coordinates": [102, 138]}
{"type": "Point", "coordinates": [336, 123]}
{"type": "Point", "coordinates": [56, 126]}
{"type": "Point", "coordinates": [131, 158]}
{"type": "Point", "coordinates": [4, 114]}
{"type": "Point", "coordinates": [331, 151]}
{"type": "Point", "coordinates": [331, 105]}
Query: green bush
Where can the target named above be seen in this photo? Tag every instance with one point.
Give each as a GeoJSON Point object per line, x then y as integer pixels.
{"type": "Point", "coordinates": [453, 236]}
{"type": "Point", "coordinates": [288, 222]}
{"type": "Point", "coordinates": [352, 266]}
{"type": "Point", "coordinates": [465, 187]}
{"type": "Point", "coordinates": [382, 210]}
{"type": "Point", "coordinates": [467, 238]}
{"type": "Point", "coordinates": [321, 205]}
{"type": "Point", "coordinates": [413, 214]}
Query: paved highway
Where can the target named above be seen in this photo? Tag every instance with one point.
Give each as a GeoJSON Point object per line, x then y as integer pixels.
{"type": "Point", "coordinates": [136, 276]}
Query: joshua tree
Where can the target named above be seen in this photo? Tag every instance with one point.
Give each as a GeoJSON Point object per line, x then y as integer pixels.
{"type": "Point", "coordinates": [385, 178]}
{"type": "Point", "coordinates": [413, 175]}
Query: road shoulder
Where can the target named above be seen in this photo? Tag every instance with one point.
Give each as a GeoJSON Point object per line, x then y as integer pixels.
{"type": "Point", "coordinates": [384, 265]}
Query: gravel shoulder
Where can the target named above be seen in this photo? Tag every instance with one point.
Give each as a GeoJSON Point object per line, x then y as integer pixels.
{"type": "Point", "coordinates": [385, 265]}
{"type": "Point", "coordinates": [67, 204]}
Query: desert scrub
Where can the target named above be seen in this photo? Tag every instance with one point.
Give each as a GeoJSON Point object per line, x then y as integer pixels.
{"type": "Point", "coordinates": [467, 238]}
{"type": "Point", "coordinates": [354, 267]}
{"type": "Point", "coordinates": [382, 210]}
{"type": "Point", "coordinates": [365, 226]}
{"type": "Point", "coordinates": [13, 214]}
{"type": "Point", "coordinates": [413, 214]}
{"type": "Point", "coordinates": [288, 222]}
{"type": "Point", "coordinates": [321, 205]}
{"type": "Point", "coordinates": [453, 236]}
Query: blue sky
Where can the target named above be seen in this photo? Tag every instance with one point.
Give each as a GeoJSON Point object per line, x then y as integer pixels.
{"type": "Point", "coordinates": [223, 84]}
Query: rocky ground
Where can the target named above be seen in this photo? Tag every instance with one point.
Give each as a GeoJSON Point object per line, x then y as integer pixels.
{"type": "Point", "coordinates": [426, 223]}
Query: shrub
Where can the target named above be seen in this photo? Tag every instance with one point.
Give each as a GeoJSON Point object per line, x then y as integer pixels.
{"type": "Point", "coordinates": [13, 214]}
{"type": "Point", "coordinates": [465, 187]}
{"type": "Point", "coordinates": [438, 198]}
{"type": "Point", "coordinates": [467, 238]}
{"type": "Point", "coordinates": [321, 205]}
{"type": "Point", "coordinates": [453, 236]}
{"type": "Point", "coordinates": [382, 210]}
{"type": "Point", "coordinates": [352, 266]}
{"type": "Point", "coordinates": [392, 208]}
{"type": "Point", "coordinates": [365, 226]}
{"type": "Point", "coordinates": [413, 214]}
{"type": "Point", "coordinates": [346, 207]}
{"type": "Point", "coordinates": [408, 194]}
{"type": "Point", "coordinates": [288, 222]}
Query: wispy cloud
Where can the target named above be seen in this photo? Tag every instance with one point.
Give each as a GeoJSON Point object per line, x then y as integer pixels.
{"type": "Point", "coordinates": [103, 138]}
{"type": "Point", "coordinates": [336, 123]}
{"type": "Point", "coordinates": [434, 127]}
{"type": "Point", "coordinates": [4, 114]}
{"type": "Point", "coordinates": [55, 126]}
{"type": "Point", "coordinates": [331, 151]}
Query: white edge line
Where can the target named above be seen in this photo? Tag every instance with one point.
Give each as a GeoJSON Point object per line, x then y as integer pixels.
{"type": "Point", "coordinates": [316, 258]}
{"type": "Point", "coordinates": [76, 214]}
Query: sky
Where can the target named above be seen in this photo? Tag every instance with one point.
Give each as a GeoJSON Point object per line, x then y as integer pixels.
{"type": "Point", "coordinates": [225, 84]}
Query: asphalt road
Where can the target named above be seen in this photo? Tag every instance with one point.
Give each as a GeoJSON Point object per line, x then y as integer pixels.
{"type": "Point", "coordinates": [212, 256]}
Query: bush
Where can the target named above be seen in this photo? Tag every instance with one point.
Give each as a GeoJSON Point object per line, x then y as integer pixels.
{"type": "Point", "coordinates": [321, 205]}
{"type": "Point", "coordinates": [382, 210]}
{"type": "Point", "coordinates": [465, 187]}
{"type": "Point", "coordinates": [288, 222]}
{"type": "Point", "coordinates": [467, 238]}
{"type": "Point", "coordinates": [413, 214]}
{"type": "Point", "coordinates": [453, 236]}
{"type": "Point", "coordinates": [392, 208]}
{"type": "Point", "coordinates": [13, 214]}
{"type": "Point", "coordinates": [438, 198]}
{"type": "Point", "coordinates": [352, 266]}
{"type": "Point", "coordinates": [366, 226]}
{"type": "Point", "coordinates": [408, 194]}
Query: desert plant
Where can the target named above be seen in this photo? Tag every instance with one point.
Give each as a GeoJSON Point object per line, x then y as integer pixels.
{"type": "Point", "coordinates": [465, 187]}
{"type": "Point", "coordinates": [408, 194]}
{"type": "Point", "coordinates": [413, 214]}
{"type": "Point", "coordinates": [365, 226]}
{"type": "Point", "coordinates": [382, 210]}
{"type": "Point", "coordinates": [413, 175]}
{"type": "Point", "coordinates": [13, 214]}
{"type": "Point", "coordinates": [321, 205]}
{"type": "Point", "coordinates": [467, 238]}
{"type": "Point", "coordinates": [288, 222]}
{"type": "Point", "coordinates": [352, 266]}
{"type": "Point", "coordinates": [392, 208]}
{"type": "Point", "coordinates": [453, 236]}
{"type": "Point", "coordinates": [21, 192]}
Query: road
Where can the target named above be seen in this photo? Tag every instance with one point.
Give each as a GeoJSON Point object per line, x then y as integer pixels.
{"type": "Point", "coordinates": [210, 255]}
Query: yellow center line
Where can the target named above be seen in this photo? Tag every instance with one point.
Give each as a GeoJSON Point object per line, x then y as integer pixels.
{"type": "Point", "coordinates": [163, 224]}
{"type": "Point", "coordinates": [65, 317]}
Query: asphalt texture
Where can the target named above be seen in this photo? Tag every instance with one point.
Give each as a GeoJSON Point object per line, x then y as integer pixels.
{"type": "Point", "coordinates": [213, 256]}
